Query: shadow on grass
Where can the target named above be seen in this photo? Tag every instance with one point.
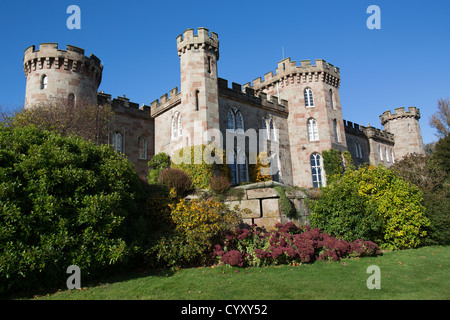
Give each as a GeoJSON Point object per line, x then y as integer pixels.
{"type": "Point", "coordinates": [110, 278]}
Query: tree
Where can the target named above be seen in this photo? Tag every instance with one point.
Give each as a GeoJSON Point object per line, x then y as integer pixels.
{"type": "Point", "coordinates": [428, 174]}
{"type": "Point", "coordinates": [157, 163]}
{"type": "Point", "coordinates": [441, 119]}
{"type": "Point", "coordinates": [91, 122]}
{"type": "Point", "coordinates": [442, 153]}
{"type": "Point", "coordinates": [6, 116]}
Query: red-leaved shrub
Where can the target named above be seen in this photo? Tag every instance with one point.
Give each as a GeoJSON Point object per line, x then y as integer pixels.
{"type": "Point", "coordinates": [175, 178]}
{"type": "Point", "coordinates": [219, 184]}
{"type": "Point", "coordinates": [288, 243]}
{"type": "Point", "coordinates": [233, 258]}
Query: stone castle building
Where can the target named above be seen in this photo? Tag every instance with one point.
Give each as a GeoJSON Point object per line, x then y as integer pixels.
{"type": "Point", "coordinates": [298, 108]}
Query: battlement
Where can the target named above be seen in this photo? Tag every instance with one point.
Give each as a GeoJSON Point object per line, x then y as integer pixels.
{"type": "Point", "coordinates": [369, 132]}
{"type": "Point", "coordinates": [247, 94]}
{"type": "Point", "coordinates": [413, 112]}
{"type": "Point", "coordinates": [203, 39]}
{"type": "Point", "coordinates": [48, 56]}
{"type": "Point", "coordinates": [304, 72]}
{"type": "Point", "coordinates": [123, 105]}
{"type": "Point", "coordinates": [167, 101]}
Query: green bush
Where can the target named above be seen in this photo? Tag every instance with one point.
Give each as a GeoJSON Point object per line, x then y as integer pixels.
{"type": "Point", "coordinates": [428, 174]}
{"type": "Point", "coordinates": [158, 163]}
{"type": "Point", "coordinates": [63, 201]}
{"type": "Point", "coordinates": [372, 203]}
{"type": "Point", "coordinates": [286, 205]}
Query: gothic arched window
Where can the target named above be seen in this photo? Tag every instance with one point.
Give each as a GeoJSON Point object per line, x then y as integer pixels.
{"type": "Point", "coordinates": [317, 170]}
{"type": "Point", "coordinates": [313, 130]}
{"type": "Point", "coordinates": [309, 98]}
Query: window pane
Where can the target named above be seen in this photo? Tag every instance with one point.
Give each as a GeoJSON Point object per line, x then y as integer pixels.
{"type": "Point", "coordinates": [239, 121]}
{"type": "Point", "coordinates": [230, 120]}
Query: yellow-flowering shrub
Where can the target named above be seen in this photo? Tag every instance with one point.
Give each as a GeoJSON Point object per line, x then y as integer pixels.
{"type": "Point", "coordinates": [372, 203]}
{"type": "Point", "coordinates": [197, 225]}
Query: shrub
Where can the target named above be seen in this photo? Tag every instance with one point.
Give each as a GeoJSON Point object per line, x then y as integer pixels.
{"type": "Point", "coordinates": [176, 179]}
{"type": "Point", "coordinates": [196, 225]}
{"type": "Point", "coordinates": [260, 171]}
{"type": "Point", "coordinates": [429, 176]}
{"type": "Point", "coordinates": [233, 258]}
{"type": "Point", "coordinates": [220, 184]}
{"type": "Point", "coordinates": [286, 205]}
{"type": "Point", "coordinates": [192, 161]}
{"type": "Point", "coordinates": [372, 203]}
{"type": "Point", "coordinates": [158, 163]}
{"type": "Point", "coordinates": [287, 243]}
{"type": "Point", "coordinates": [63, 201]}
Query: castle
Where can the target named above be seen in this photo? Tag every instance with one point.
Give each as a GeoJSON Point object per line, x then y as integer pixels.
{"type": "Point", "coordinates": [298, 108]}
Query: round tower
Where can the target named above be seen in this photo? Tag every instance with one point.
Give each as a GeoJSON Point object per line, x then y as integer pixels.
{"type": "Point", "coordinates": [406, 129]}
{"type": "Point", "coordinates": [198, 54]}
{"type": "Point", "coordinates": [53, 73]}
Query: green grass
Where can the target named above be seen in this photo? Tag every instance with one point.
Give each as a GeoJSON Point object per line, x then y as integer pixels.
{"type": "Point", "coordinates": [422, 273]}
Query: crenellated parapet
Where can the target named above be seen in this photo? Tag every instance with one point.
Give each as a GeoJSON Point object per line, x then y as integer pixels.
{"type": "Point", "coordinates": [203, 39]}
{"type": "Point", "coordinates": [248, 94]}
{"type": "Point", "coordinates": [368, 132]}
{"type": "Point", "coordinates": [122, 105]}
{"type": "Point", "coordinates": [167, 101]}
{"type": "Point", "coordinates": [289, 71]}
{"type": "Point", "coordinates": [72, 59]}
{"type": "Point", "coordinates": [399, 113]}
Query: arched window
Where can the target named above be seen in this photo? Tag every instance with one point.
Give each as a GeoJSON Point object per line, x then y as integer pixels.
{"type": "Point", "coordinates": [317, 170]}
{"type": "Point", "coordinates": [392, 156]}
{"type": "Point", "coordinates": [309, 98]}
{"type": "Point", "coordinates": [118, 142]}
{"type": "Point", "coordinates": [313, 131]}
{"type": "Point", "coordinates": [142, 148]}
{"type": "Point", "coordinates": [231, 123]}
{"type": "Point", "coordinates": [44, 82]}
{"type": "Point", "coordinates": [331, 99]}
{"type": "Point", "coordinates": [71, 100]}
{"type": "Point", "coordinates": [177, 127]}
{"type": "Point", "coordinates": [335, 129]}
{"type": "Point", "coordinates": [380, 153]}
{"type": "Point", "coordinates": [268, 129]}
{"type": "Point", "coordinates": [387, 154]}
{"type": "Point", "coordinates": [264, 129]}
{"type": "Point", "coordinates": [174, 127]}
{"type": "Point", "coordinates": [239, 169]}
{"type": "Point", "coordinates": [235, 120]}
{"type": "Point", "coordinates": [358, 152]}
{"type": "Point", "coordinates": [272, 135]}
{"type": "Point", "coordinates": [239, 121]}
{"type": "Point", "coordinates": [180, 126]}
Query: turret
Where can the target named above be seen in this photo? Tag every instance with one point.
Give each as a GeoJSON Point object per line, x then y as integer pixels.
{"type": "Point", "coordinates": [198, 54]}
{"type": "Point", "coordinates": [53, 73]}
{"type": "Point", "coordinates": [406, 129]}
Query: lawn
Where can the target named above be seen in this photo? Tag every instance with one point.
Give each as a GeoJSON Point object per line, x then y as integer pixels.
{"type": "Point", "coordinates": [422, 273]}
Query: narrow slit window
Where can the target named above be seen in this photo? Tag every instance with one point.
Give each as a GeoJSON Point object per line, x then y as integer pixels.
{"type": "Point", "coordinates": [197, 100]}
{"type": "Point", "coordinates": [44, 82]}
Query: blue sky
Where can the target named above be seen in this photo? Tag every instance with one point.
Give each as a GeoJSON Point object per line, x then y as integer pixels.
{"type": "Point", "coordinates": [405, 63]}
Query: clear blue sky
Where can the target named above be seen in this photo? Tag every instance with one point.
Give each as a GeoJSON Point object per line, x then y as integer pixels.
{"type": "Point", "coordinates": [405, 63]}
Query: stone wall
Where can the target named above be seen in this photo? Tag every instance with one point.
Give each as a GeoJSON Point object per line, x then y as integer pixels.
{"type": "Point", "coordinates": [264, 203]}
